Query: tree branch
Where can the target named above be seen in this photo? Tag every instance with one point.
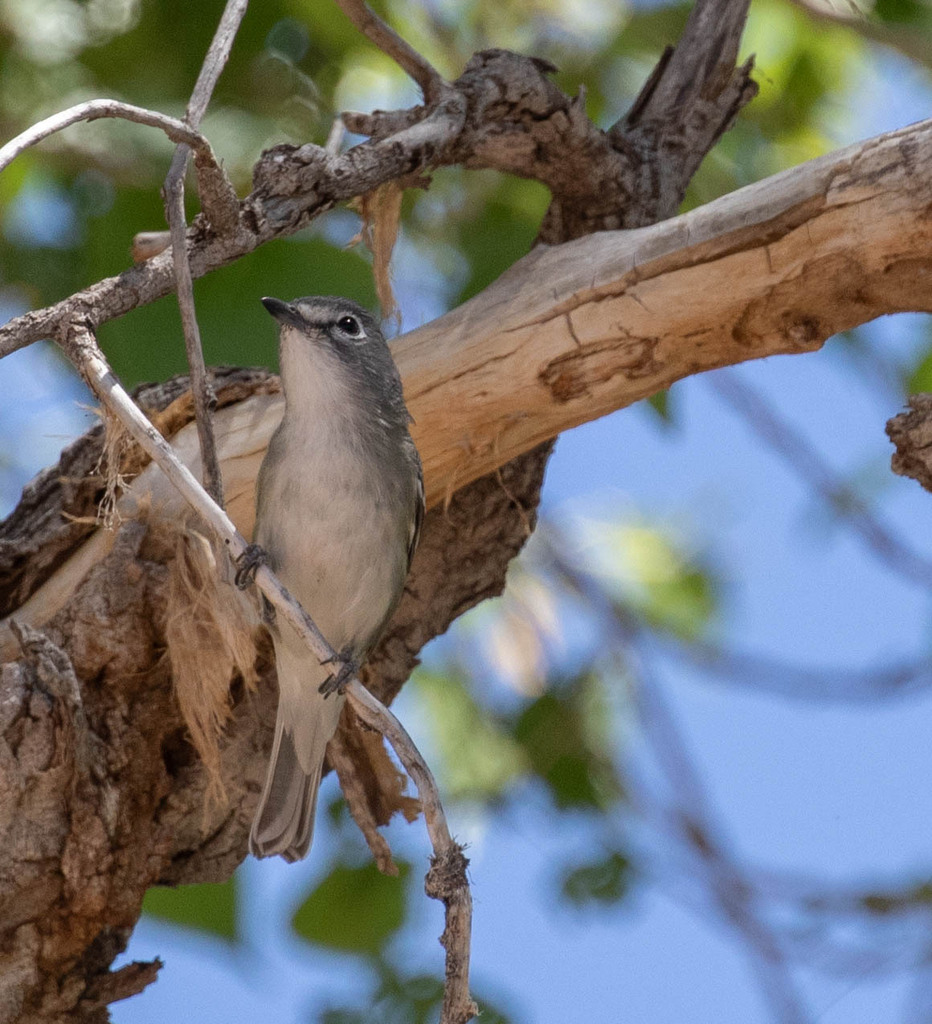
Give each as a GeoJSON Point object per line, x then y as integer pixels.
{"type": "Point", "coordinates": [501, 113]}
{"type": "Point", "coordinates": [805, 460]}
{"type": "Point", "coordinates": [173, 192]}
{"type": "Point", "coordinates": [911, 433]}
{"type": "Point", "coordinates": [92, 110]}
{"type": "Point", "coordinates": [573, 332]}
{"type": "Point", "coordinates": [401, 52]}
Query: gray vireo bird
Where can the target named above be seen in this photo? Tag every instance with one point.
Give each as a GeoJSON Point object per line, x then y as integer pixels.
{"type": "Point", "coordinates": [339, 504]}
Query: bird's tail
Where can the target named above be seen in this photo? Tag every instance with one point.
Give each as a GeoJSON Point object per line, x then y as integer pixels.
{"type": "Point", "coordinates": [305, 722]}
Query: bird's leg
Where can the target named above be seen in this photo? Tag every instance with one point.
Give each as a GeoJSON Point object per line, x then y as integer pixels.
{"type": "Point", "coordinates": [247, 565]}
{"type": "Point", "coordinates": [336, 681]}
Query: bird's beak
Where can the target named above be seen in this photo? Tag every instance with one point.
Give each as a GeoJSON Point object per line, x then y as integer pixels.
{"type": "Point", "coordinates": [284, 312]}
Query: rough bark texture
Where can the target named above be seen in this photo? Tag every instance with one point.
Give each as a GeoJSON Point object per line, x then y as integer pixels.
{"type": "Point", "coordinates": [911, 433]}
{"type": "Point", "coordinates": [100, 794]}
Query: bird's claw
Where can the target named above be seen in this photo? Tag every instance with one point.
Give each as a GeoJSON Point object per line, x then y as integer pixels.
{"type": "Point", "coordinates": [336, 681]}
{"type": "Point", "coordinates": [247, 565]}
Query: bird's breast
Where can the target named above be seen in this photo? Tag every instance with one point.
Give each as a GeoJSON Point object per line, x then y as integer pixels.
{"type": "Point", "coordinates": [332, 532]}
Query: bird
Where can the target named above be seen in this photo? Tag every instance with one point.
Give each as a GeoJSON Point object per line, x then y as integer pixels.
{"type": "Point", "coordinates": [339, 507]}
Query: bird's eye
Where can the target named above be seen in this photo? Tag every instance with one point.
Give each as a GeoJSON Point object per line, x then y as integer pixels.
{"type": "Point", "coordinates": [350, 325]}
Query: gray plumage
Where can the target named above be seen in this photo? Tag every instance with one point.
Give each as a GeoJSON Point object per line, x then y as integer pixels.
{"type": "Point", "coordinates": [339, 504]}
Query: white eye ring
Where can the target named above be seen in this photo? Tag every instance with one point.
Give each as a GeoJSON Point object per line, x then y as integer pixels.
{"type": "Point", "coordinates": [351, 326]}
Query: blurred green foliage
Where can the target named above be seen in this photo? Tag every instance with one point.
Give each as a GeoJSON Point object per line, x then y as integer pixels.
{"type": "Point", "coordinates": [400, 998]}
{"type": "Point", "coordinates": [480, 757]}
{"type": "Point", "coordinates": [208, 908]}
{"type": "Point", "coordinates": [604, 881]}
{"type": "Point", "coordinates": [354, 909]}
{"type": "Point", "coordinates": [562, 734]}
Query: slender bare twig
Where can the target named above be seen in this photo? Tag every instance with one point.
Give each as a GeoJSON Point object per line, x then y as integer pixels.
{"type": "Point", "coordinates": [204, 398]}
{"type": "Point", "coordinates": [401, 52]}
{"type": "Point", "coordinates": [215, 61]}
{"type": "Point", "coordinates": [800, 682]}
{"type": "Point", "coordinates": [446, 879]}
{"type": "Point", "coordinates": [770, 427]}
{"type": "Point", "coordinates": [335, 137]}
{"type": "Point", "coordinates": [92, 110]}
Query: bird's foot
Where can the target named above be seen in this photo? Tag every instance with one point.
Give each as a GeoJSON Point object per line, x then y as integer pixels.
{"type": "Point", "coordinates": [336, 681]}
{"type": "Point", "coordinates": [247, 565]}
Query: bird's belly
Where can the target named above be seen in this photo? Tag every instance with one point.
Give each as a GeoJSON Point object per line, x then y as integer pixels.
{"type": "Point", "coordinates": [340, 552]}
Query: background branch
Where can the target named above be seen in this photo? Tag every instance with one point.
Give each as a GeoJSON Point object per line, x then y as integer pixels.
{"type": "Point", "coordinates": [806, 461]}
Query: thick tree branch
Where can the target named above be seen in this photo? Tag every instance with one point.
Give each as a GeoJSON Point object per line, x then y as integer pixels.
{"type": "Point", "coordinates": [573, 332]}
{"type": "Point", "coordinates": [502, 113]}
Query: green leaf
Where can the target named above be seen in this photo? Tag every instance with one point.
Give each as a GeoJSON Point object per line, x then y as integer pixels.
{"type": "Point", "coordinates": [563, 733]}
{"type": "Point", "coordinates": [920, 380]}
{"type": "Point", "coordinates": [479, 758]}
{"type": "Point", "coordinates": [354, 909]}
{"type": "Point", "coordinates": [901, 12]}
{"type": "Point", "coordinates": [660, 403]}
{"type": "Point", "coordinates": [602, 881]}
{"type": "Point", "coordinates": [651, 572]}
{"type": "Point", "coordinates": [208, 907]}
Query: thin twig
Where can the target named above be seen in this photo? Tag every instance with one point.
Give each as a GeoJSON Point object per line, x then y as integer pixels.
{"type": "Point", "coordinates": [788, 442]}
{"type": "Point", "coordinates": [92, 110]}
{"type": "Point", "coordinates": [215, 61]}
{"type": "Point", "coordinates": [800, 682]}
{"type": "Point", "coordinates": [446, 879]}
{"type": "Point", "coordinates": [205, 401]}
{"type": "Point", "coordinates": [335, 137]}
{"type": "Point", "coordinates": [390, 43]}
{"type": "Point", "coordinates": [204, 398]}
